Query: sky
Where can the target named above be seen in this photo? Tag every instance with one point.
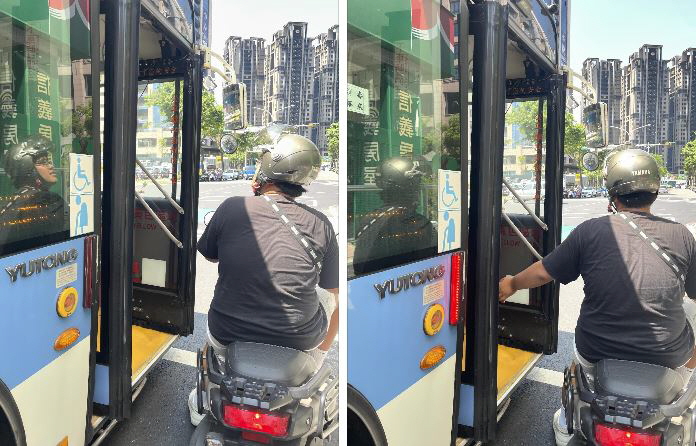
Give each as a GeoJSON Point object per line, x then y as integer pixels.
{"type": "Point", "coordinates": [262, 18]}
{"type": "Point", "coordinates": [615, 29]}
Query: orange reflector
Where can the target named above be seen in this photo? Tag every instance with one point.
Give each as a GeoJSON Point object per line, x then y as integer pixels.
{"type": "Point", "coordinates": [432, 357]}
{"type": "Point", "coordinates": [63, 442]}
{"type": "Point", "coordinates": [66, 339]}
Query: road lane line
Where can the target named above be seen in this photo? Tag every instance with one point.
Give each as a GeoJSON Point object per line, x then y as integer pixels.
{"type": "Point", "coordinates": [546, 376]}
{"type": "Point", "coordinates": [180, 356]}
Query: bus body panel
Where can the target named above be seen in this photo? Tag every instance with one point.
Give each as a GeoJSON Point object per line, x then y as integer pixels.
{"type": "Point", "coordinates": [388, 336]}
{"type": "Point", "coordinates": [49, 386]}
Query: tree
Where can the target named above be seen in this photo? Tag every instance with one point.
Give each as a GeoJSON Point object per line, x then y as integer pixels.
{"type": "Point", "coordinates": [212, 117]}
{"type": "Point", "coordinates": [79, 124]}
{"type": "Point", "coordinates": [661, 165]}
{"type": "Point", "coordinates": [332, 139]}
{"type": "Point", "coordinates": [524, 115]}
{"type": "Point", "coordinates": [689, 152]}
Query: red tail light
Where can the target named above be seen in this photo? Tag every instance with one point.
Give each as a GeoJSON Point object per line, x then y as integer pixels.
{"type": "Point", "coordinates": [258, 438]}
{"type": "Point", "coordinates": [614, 436]}
{"type": "Point", "coordinates": [455, 288]}
{"type": "Point", "coordinates": [255, 420]}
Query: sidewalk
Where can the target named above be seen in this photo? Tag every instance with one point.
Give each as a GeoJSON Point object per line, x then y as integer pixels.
{"type": "Point", "coordinates": [327, 175]}
{"type": "Point", "coordinates": [686, 193]}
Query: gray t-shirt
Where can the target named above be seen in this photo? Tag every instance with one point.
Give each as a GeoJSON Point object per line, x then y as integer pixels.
{"type": "Point", "coordinates": [266, 288]}
{"type": "Point", "coordinates": [633, 301]}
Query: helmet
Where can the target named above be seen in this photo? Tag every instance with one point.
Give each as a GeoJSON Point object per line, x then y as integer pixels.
{"type": "Point", "coordinates": [20, 160]}
{"type": "Point", "coordinates": [293, 159]}
{"type": "Point", "coordinates": [629, 171]}
{"type": "Point", "coordinates": [398, 173]}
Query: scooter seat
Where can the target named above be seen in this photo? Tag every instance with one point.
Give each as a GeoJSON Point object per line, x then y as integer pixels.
{"type": "Point", "coordinates": [638, 380]}
{"type": "Point", "coordinates": [280, 365]}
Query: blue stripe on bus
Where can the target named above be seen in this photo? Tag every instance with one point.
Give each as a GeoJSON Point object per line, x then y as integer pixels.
{"type": "Point", "coordinates": [29, 323]}
{"type": "Point", "coordinates": [466, 405]}
{"type": "Point", "coordinates": [387, 340]}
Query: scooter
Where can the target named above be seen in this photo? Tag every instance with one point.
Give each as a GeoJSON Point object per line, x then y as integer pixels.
{"type": "Point", "coordinates": [632, 403]}
{"type": "Point", "coordinates": [264, 394]}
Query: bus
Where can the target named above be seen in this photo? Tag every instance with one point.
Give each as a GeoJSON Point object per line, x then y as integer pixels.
{"type": "Point", "coordinates": [98, 276]}
{"type": "Point", "coordinates": [433, 358]}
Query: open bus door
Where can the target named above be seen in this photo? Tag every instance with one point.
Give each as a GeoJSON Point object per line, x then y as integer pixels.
{"type": "Point", "coordinates": [149, 231]}
{"type": "Point", "coordinates": [504, 341]}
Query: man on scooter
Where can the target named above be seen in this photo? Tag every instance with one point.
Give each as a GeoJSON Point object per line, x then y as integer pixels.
{"type": "Point", "coordinates": [633, 307]}
{"type": "Point", "coordinates": [266, 291]}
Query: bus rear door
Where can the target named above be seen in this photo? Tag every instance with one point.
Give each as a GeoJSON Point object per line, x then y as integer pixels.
{"type": "Point", "coordinates": [517, 129]}
{"type": "Point", "coordinates": [152, 112]}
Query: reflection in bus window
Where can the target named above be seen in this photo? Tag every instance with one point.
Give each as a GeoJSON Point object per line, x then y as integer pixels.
{"type": "Point", "coordinates": [45, 116]}
{"type": "Point", "coordinates": [403, 146]}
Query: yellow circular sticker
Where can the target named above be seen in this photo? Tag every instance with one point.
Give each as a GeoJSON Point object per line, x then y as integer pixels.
{"type": "Point", "coordinates": [434, 319]}
{"type": "Point", "coordinates": [67, 302]}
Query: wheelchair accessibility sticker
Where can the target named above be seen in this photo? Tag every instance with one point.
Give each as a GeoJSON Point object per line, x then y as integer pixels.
{"type": "Point", "coordinates": [81, 194]}
{"type": "Point", "coordinates": [449, 210]}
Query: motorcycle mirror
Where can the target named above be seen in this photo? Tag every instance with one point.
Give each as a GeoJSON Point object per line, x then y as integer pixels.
{"type": "Point", "coordinates": [590, 161]}
{"type": "Point", "coordinates": [229, 144]}
{"type": "Point", "coordinates": [207, 217]}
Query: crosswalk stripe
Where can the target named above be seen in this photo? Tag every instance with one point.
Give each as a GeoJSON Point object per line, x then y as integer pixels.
{"type": "Point", "coordinates": [546, 376]}
{"type": "Point", "coordinates": [180, 356]}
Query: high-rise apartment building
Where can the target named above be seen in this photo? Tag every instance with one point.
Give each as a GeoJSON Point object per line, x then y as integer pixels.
{"type": "Point", "coordinates": [681, 106]}
{"type": "Point", "coordinates": [248, 57]}
{"type": "Point", "coordinates": [605, 77]}
{"type": "Point", "coordinates": [287, 73]}
{"type": "Point", "coordinates": [643, 99]}
{"type": "Point", "coordinates": [322, 87]}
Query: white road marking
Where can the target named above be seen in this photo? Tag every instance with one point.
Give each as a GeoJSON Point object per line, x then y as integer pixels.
{"type": "Point", "coordinates": [546, 376]}
{"type": "Point", "coordinates": [180, 356]}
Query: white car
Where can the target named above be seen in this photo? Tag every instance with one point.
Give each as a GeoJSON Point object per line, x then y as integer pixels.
{"type": "Point", "coordinates": [589, 193]}
{"type": "Point", "coordinates": [663, 190]}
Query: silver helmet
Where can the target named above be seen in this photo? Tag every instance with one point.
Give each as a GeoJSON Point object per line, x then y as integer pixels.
{"type": "Point", "coordinates": [629, 171]}
{"type": "Point", "coordinates": [293, 159]}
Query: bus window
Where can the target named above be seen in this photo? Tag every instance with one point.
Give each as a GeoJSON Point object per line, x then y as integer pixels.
{"type": "Point", "coordinates": [403, 153]}
{"type": "Point", "coordinates": [45, 120]}
{"type": "Point", "coordinates": [524, 164]}
{"type": "Point", "coordinates": [158, 139]}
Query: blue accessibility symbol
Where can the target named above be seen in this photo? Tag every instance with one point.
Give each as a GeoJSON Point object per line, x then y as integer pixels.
{"type": "Point", "coordinates": [80, 179]}
{"type": "Point", "coordinates": [450, 234]}
{"type": "Point", "coordinates": [449, 196]}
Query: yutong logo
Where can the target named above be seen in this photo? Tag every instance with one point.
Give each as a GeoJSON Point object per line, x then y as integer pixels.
{"type": "Point", "coordinates": [409, 280]}
{"type": "Point", "coordinates": [42, 263]}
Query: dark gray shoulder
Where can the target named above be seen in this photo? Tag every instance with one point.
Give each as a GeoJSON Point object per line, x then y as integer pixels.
{"type": "Point", "coordinates": [319, 215]}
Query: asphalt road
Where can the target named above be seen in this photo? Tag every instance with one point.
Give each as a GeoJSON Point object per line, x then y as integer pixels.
{"type": "Point", "coordinates": [528, 419]}
{"type": "Point", "coordinates": [160, 414]}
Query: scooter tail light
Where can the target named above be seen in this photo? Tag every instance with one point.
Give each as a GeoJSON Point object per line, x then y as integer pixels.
{"type": "Point", "coordinates": [256, 420]}
{"type": "Point", "coordinates": [619, 436]}
{"type": "Point", "coordinates": [455, 288]}
{"type": "Point", "coordinates": [256, 437]}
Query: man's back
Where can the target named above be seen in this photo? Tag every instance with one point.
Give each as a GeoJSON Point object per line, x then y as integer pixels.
{"type": "Point", "coordinates": [266, 290]}
{"type": "Point", "coordinates": [633, 301]}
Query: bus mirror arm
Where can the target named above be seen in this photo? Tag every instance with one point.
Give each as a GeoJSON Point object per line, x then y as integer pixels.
{"type": "Point", "coordinates": [166, 195]}
{"type": "Point", "coordinates": [158, 221]}
{"type": "Point", "coordinates": [529, 211]}
{"type": "Point", "coordinates": [522, 237]}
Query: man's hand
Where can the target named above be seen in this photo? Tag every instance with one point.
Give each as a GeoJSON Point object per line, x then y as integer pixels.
{"type": "Point", "coordinates": [506, 288]}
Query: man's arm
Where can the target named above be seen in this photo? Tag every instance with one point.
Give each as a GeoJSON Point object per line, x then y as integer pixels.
{"type": "Point", "coordinates": [534, 276]}
{"type": "Point", "coordinates": [333, 323]}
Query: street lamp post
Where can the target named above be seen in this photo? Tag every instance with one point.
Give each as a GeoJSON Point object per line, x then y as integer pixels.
{"type": "Point", "coordinates": [628, 135]}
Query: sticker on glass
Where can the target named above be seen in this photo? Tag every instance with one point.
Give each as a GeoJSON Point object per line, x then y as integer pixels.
{"type": "Point", "coordinates": [358, 99]}
{"type": "Point", "coordinates": [449, 201]}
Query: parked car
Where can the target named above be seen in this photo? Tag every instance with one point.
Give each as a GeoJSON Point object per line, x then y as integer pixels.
{"type": "Point", "coordinates": [663, 190]}
{"type": "Point", "coordinates": [230, 175]}
{"type": "Point", "coordinates": [588, 193]}
{"type": "Point", "coordinates": [249, 172]}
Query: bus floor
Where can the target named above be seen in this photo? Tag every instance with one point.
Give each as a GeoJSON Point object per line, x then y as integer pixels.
{"type": "Point", "coordinates": [147, 347]}
{"type": "Point", "coordinates": [513, 365]}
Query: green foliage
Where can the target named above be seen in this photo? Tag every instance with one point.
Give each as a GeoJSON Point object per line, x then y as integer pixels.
{"type": "Point", "coordinates": [689, 152]}
{"type": "Point", "coordinates": [212, 118]}
{"type": "Point", "coordinates": [79, 124]}
{"type": "Point", "coordinates": [524, 115]}
{"type": "Point", "coordinates": [661, 165]}
{"type": "Point", "coordinates": [163, 97]}
{"type": "Point", "coordinates": [332, 140]}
